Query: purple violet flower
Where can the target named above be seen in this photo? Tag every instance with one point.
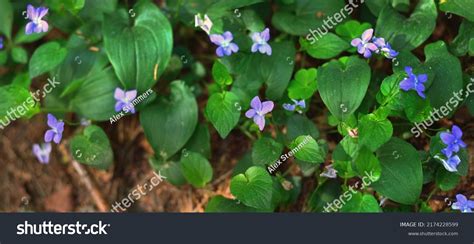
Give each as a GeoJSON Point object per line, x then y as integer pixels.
{"type": "Point", "coordinates": [364, 46]}
{"type": "Point", "coordinates": [1, 42]}
{"type": "Point", "coordinates": [260, 42]}
{"type": "Point", "coordinates": [258, 111]}
{"type": "Point", "coordinates": [329, 172]}
{"type": "Point", "coordinates": [56, 132]}
{"type": "Point", "coordinates": [453, 141]}
{"type": "Point", "coordinates": [42, 152]}
{"type": "Point", "coordinates": [452, 163]}
{"type": "Point", "coordinates": [384, 48]}
{"type": "Point", "coordinates": [124, 100]}
{"type": "Point", "coordinates": [463, 204]}
{"type": "Point", "coordinates": [36, 25]}
{"type": "Point", "coordinates": [224, 41]}
{"type": "Point", "coordinates": [297, 105]}
{"type": "Point", "coordinates": [414, 82]}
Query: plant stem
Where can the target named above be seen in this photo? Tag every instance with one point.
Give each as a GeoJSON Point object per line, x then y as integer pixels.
{"type": "Point", "coordinates": [431, 193]}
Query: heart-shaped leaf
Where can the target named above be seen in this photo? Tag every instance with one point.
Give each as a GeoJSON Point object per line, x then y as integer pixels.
{"type": "Point", "coordinates": [169, 123]}
{"type": "Point", "coordinates": [47, 57]}
{"type": "Point", "coordinates": [92, 148]}
{"type": "Point", "coordinates": [374, 131]}
{"type": "Point", "coordinates": [304, 85]}
{"type": "Point", "coordinates": [266, 151]}
{"type": "Point", "coordinates": [138, 53]}
{"type": "Point", "coordinates": [254, 188]}
{"type": "Point", "coordinates": [223, 111]}
{"type": "Point", "coordinates": [343, 85]}
{"type": "Point", "coordinates": [196, 169]}
{"type": "Point", "coordinates": [402, 174]}
{"type": "Point", "coordinates": [307, 149]}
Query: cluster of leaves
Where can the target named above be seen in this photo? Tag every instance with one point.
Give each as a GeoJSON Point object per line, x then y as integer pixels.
{"type": "Point", "coordinates": [110, 46]}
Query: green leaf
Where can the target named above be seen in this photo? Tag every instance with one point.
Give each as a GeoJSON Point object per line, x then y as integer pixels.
{"type": "Point", "coordinates": [19, 55]}
{"type": "Point", "coordinates": [169, 169]}
{"type": "Point", "coordinates": [254, 188]}
{"type": "Point", "coordinates": [464, 41]}
{"type": "Point", "coordinates": [447, 74]}
{"type": "Point", "coordinates": [350, 146]}
{"type": "Point", "coordinates": [92, 148]}
{"type": "Point", "coordinates": [464, 8]}
{"type": "Point", "coordinates": [304, 15]}
{"type": "Point", "coordinates": [220, 74]}
{"type": "Point", "coordinates": [6, 18]}
{"type": "Point", "coordinates": [375, 6]}
{"type": "Point", "coordinates": [275, 70]}
{"type": "Point", "coordinates": [18, 99]}
{"type": "Point", "coordinates": [21, 37]}
{"type": "Point", "coordinates": [366, 162]}
{"type": "Point", "coordinates": [94, 98]}
{"type": "Point", "coordinates": [351, 29]}
{"type": "Point", "coordinates": [307, 149]}
{"type": "Point", "coordinates": [304, 84]}
{"type": "Point", "coordinates": [324, 194]}
{"type": "Point", "coordinates": [220, 204]}
{"type": "Point", "coordinates": [200, 141]}
{"type": "Point", "coordinates": [196, 169]}
{"type": "Point", "coordinates": [416, 108]}
{"type": "Point", "coordinates": [94, 10]}
{"type": "Point", "coordinates": [361, 203]}
{"type": "Point", "coordinates": [266, 151]}
{"type": "Point", "coordinates": [298, 125]}
{"type": "Point", "coordinates": [374, 131]}
{"type": "Point", "coordinates": [139, 54]}
{"type": "Point", "coordinates": [3, 57]}
{"type": "Point", "coordinates": [223, 112]}
{"type": "Point", "coordinates": [47, 57]}
{"type": "Point", "coordinates": [407, 33]}
{"type": "Point", "coordinates": [445, 180]}
{"type": "Point", "coordinates": [252, 20]}
{"type": "Point", "coordinates": [402, 176]}
{"type": "Point", "coordinates": [169, 123]}
{"type": "Point", "coordinates": [343, 86]}
{"type": "Point", "coordinates": [74, 6]}
{"type": "Point", "coordinates": [326, 47]}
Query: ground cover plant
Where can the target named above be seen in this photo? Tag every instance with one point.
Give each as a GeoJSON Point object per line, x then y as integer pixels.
{"type": "Point", "coordinates": [237, 105]}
